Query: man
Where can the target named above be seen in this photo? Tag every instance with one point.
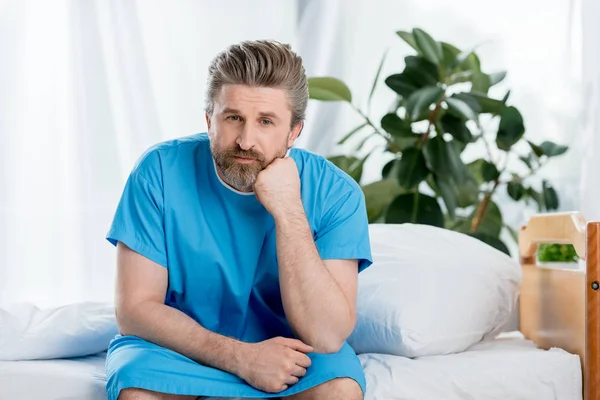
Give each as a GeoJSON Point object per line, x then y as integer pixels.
{"type": "Point", "coordinates": [237, 254]}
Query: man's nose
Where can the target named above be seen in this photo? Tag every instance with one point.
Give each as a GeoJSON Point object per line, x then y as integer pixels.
{"type": "Point", "coordinates": [246, 139]}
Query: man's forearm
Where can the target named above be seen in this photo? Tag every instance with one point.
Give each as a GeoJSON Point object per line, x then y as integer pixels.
{"type": "Point", "coordinates": [314, 304]}
{"type": "Point", "coordinates": [170, 328]}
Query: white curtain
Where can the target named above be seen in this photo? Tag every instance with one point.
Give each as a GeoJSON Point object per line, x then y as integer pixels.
{"type": "Point", "coordinates": [85, 87]}
{"type": "Point", "coordinates": [590, 138]}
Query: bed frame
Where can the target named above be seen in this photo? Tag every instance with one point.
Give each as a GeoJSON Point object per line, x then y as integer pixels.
{"type": "Point", "coordinates": [561, 307]}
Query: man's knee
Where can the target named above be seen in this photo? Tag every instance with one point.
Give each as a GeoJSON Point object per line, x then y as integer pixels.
{"type": "Point", "coordinates": [340, 388]}
{"type": "Point", "coordinates": [142, 394]}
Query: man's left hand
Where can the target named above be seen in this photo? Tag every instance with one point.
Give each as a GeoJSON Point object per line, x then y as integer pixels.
{"type": "Point", "coordinates": [277, 187]}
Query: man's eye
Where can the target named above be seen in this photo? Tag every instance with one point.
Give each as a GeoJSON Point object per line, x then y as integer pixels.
{"type": "Point", "coordinates": [234, 118]}
{"type": "Point", "coordinates": [265, 122]}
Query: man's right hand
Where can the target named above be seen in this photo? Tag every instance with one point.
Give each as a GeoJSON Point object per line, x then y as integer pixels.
{"type": "Point", "coordinates": [274, 364]}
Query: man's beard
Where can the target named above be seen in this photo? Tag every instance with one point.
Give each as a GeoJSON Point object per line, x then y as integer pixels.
{"type": "Point", "coordinates": [236, 174]}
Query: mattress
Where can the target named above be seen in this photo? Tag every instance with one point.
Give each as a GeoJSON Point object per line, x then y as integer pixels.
{"type": "Point", "coordinates": [506, 368]}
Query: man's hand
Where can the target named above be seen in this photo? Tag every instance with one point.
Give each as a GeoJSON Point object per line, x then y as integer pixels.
{"type": "Point", "coordinates": [275, 364]}
{"type": "Point", "coordinates": [277, 187]}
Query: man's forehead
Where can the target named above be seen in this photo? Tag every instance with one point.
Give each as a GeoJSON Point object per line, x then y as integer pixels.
{"type": "Point", "coordinates": [260, 100]}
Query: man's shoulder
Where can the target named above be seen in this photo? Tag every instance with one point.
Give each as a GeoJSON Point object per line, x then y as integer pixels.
{"type": "Point", "coordinates": [171, 149]}
{"type": "Point", "coordinates": [315, 166]}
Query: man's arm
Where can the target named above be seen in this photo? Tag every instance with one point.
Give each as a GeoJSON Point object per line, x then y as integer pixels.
{"type": "Point", "coordinates": [140, 311]}
{"type": "Point", "coordinates": [272, 365]}
{"type": "Point", "coordinates": [319, 297]}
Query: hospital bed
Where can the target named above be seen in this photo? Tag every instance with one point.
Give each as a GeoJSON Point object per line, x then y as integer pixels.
{"type": "Point", "coordinates": [553, 356]}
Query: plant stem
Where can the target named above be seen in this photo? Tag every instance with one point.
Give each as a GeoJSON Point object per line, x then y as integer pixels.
{"type": "Point", "coordinates": [393, 145]}
{"type": "Point", "coordinates": [487, 198]}
{"type": "Point", "coordinates": [432, 117]}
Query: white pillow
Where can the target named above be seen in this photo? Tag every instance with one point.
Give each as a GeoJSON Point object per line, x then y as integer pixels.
{"type": "Point", "coordinates": [75, 330]}
{"type": "Point", "coordinates": [431, 291]}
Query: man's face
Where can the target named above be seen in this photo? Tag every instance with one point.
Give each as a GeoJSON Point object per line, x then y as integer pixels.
{"type": "Point", "coordinates": [248, 129]}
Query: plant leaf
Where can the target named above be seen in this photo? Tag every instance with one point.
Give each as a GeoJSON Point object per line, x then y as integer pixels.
{"type": "Point", "coordinates": [550, 196]}
{"type": "Point", "coordinates": [456, 127]}
{"type": "Point", "coordinates": [421, 100]}
{"type": "Point", "coordinates": [379, 195]}
{"type": "Point", "coordinates": [447, 192]}
{"type": "Point", "coordinates": [352, 132]}
{"type": "Point", "coordinates": [485, 104]}
{"type": "Point", "coordinates": [551, 149]}
{"type": "Point", "coordinates": [412, 169]}
{"type": "Point", "coordinates": [377, 77]}
{"type": "Point", "coordinates": [328, 89]}
{"type": "Point", "coordinates": [537, 197]}
{"type": "Point", "coordinates": [515, 190]}
{"type": "Point", "coordinates": [425, 72]}
{"type": "Point", "coordinates": [401, 84]}
{"type": "Point", "coordinates": [461, 108]}
{"type": "Point", "coordinates": [430, 49]}
{"type": "Point", "coordinates": [408, 38]}
{"type": "Point", "coordinates": [493, 241]}
{"type": "Point", "coordinates": [483, 171]}
{"type": "Point", "coordinates": [443, 158]}
{"type": "Point", "coordinates": [511, 128]}
{"type": "Point", "coordinates": [395, 126]}
{"type": "Point", "coordinates": [450, 53]}
{"type": "Point", "coordinates": [497, 77]}
{"type": "Point", "coordinates": [481, 82]}
{"type": "Point", "coordinates": [415, 208]}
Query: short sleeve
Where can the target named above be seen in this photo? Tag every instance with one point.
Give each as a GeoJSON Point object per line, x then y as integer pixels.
{"type": "Point", "coordinates": [344, 232]}
{"type": "Point", "coordinates": [138, 220]}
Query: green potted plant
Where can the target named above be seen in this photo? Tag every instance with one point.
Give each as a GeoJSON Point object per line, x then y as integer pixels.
{"type": "Point", "coordinates": [442, 106]}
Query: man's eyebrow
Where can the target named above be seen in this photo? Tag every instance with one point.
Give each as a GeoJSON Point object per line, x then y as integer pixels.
{"type": "Point", "coordinates": [269, 114]}
{"type": "Point", "coordinates": [228, 110]}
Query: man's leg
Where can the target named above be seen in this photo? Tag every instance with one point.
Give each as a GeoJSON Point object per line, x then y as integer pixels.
{"type": "Point", "coordinates": [141, 394]}
{"type": "Point", "coordinates": [336, 389]}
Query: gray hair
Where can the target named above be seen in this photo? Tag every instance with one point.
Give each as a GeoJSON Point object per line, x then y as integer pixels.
{"type": "Point", "coordinates": [260, 63]}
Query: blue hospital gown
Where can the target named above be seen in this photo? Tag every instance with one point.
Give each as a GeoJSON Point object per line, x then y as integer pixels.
{"type": "Point", "coordinates": [218, 245]}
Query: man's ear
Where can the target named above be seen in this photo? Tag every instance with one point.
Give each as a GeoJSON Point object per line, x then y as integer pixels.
{"type": "Point", "coordinates": [207, 120]}
{"type": "Point", "coordinates": [296, 131]}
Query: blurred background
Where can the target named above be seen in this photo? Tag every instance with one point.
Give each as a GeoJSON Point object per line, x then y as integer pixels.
{"type": "Point", "coordinates": [87, 85]}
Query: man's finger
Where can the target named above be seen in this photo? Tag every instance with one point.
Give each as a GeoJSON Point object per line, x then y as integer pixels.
{"type": "Point", "coordinates": [302, 360]}
{"type": "Point", "coordinates": [299, 371]}
{"type": "Point", "coordinates": [297, 345]}
{"type": "Point", "coordinates": [291, 380]}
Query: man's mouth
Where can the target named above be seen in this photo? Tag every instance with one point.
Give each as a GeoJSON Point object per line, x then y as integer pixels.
{"type": "Point", "coordinates": [244, 160]}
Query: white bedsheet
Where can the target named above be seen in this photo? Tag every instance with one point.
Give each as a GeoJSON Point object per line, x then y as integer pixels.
{"type": "Point", "coordinates": [507, 368]}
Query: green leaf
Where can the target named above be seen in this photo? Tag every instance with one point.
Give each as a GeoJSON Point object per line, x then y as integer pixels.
{"type": "Point", "coordinates": [401, 84]}
{"type": "Point", "coordinates": [448, 194]}
{"type": "Point", "coordinates": [506, 96]}
{"type": "Point", "coordinates": [395, 126]}
{"type": "Point", "coordinates": [415, 208]}
{"type": "Point", "coordinates": [379, 195]}
{"type": "Point", "coordinates": [456, 127]}
{"type": "Point", "coordinates": [515, 190]}
{"type": "Point", "coordinates": [460, 77]}
{"type": "Point", "coordinates": [377, 77]}
{"type": "Point", "coordinates": [461, 108]}
{"type": "Point", "coordinates": [481, 82]}
{"type": "Point", "coordinates": [483, 171]}
{"type": "Point", "coordinates": [389, 170]}
{"type": "Point", "coordinates": [430, 49]}
{"type": "Point", "coordinates": [511, 128]}
{"type": "Point", "coordinates": [528, 160]}
{"type": "Point", "coordinates": [547, 148]}
{"type": "Point", "coordinates": [537, 197]}
{"type": "Point", "coordinates": [443, 158]}
{"type": "Point", "coordinates": [493, 241]}
{"type": "Point", "coordinates": [467, 193]}
{"type": "Point", "coordinates": [497, 77]}
{"type": "Point", "coordinates": [469, 61]}
{"type": "Point", "coordinates": [328, 89]}
{"type": "Point", "coordinates": [352, 132]}
{"type": "Point", "coordinates": [421, 100]}
{"type": "Point", "coordinates": [412, 169]}
{"type": "Point", "coordinates": [491, 222]}
{"type": "Point", "coordinates": [550, 196]}
{"type": "Point", "coordinates": [485, 104]}
{"type": "Point", "coordinates": [450, 53]}
{"type": "Point", "coordinates": [421, 66]}
{"type": "Point", "coordinates": [408, 38]}
{"type": "Point", "coordinates": [351, 165]}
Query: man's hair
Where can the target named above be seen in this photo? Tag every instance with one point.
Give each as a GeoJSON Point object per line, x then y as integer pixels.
{"type": "Point", "coordinates": [260, 63]}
